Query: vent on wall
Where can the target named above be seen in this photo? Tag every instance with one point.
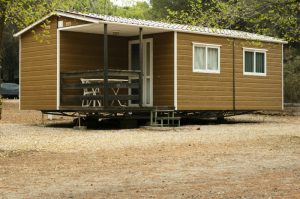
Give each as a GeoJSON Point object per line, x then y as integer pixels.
{"type": "Point", "coordinates": [116, 32]}
{"type": "Point", "coordinates": [60, 24]}
{"type": "Point", "coordinates": [68, 23]}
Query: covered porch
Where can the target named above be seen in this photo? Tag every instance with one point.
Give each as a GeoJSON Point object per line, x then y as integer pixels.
{"type": "Point", "coordinates": [106, 67]}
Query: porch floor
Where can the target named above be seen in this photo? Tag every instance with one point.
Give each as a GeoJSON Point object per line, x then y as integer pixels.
{"type": "Point", "coordinates": [114, 109]}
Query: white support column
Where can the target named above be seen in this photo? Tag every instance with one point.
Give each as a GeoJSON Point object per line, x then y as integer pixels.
{"type": "Point", "coordinates": [20, 65]}
{"type": "Point", "coordinates": [282, 78]}
{"type": "Point", "coordinates": [175, 70]}
{"type": "Point", "coordinates": [141, 61]}
{"type": "Point", "coordinates": [58, 69]}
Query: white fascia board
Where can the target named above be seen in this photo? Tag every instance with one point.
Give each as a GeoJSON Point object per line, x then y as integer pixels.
{"type": "Point", "coordinates": [75, 27]}
{"type": "Point", "coordinates": [255, 49]}
{"type": "Point", "coordinates": [79, 17]}
{"type": "Point", "coordinates": [73, 16]}
{"type": "Point", "coordinates": [206, 44]}
{"type": "Point", "coordinates": [32, 25]}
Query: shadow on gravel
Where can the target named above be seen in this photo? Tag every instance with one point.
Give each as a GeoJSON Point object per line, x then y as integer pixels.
{"type": "Point", "coordinates": [94, 124]}
{"type": "Point", "coordinates": [215, 121]}
{"type": "Point", "coordinates": [114, 124]}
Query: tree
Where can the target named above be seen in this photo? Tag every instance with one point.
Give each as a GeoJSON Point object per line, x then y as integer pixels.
{"type": "Point", "coordinates": [141, 10]}
{"type": "Point", "coordinates": [10, 55]}
{"type": "Point", "coordinates": [160, 8]}
{"type": "Point", "coordinates": [14, 13]}
{"type": "Point", "coordinates": [292, 74]}
{"type": "Point", "coordinates": [89, 6]}
{"type": "Point", "coordinates": [278, 18]}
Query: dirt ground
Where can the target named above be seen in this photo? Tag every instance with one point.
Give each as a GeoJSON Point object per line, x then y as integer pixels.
{"type": "Point", "coordinates": [251, 156]}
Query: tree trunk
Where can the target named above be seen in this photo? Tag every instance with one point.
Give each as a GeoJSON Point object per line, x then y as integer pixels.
{"type": "Point", "coordinates": [1, 36]}
{"type": "Point", "coordinates": [2, 19]}
{"type": "Point", "coordinates": [1, 28]}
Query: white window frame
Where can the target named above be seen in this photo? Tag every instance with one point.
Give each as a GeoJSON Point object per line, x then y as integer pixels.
{"type": "Point", "coordinates": [195, 44]}
{"type": "Point", "coordinates": [144, 63]}
{"type": "Point", "coordinates": [255, 50]}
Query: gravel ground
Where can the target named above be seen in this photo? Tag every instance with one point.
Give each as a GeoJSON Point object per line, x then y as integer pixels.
{"type": "Point", "coordinates": [254, 156]}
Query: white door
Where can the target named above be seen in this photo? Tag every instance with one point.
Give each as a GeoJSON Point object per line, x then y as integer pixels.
{"type": "Point", "coordinates": [134, 64]}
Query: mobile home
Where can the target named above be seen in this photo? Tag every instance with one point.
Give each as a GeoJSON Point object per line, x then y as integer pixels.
{"type": "Point", "coordinates": [97, 63]}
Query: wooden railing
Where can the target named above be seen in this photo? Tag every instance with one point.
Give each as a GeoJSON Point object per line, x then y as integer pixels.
{"type": "Point", "coordinates": [70, 83]}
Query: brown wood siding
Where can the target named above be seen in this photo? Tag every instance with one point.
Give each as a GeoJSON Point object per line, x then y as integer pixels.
{"type": "Point", "coordinates": [163, 69]}
{"type": "Point", "coordinates": [204, 91]}
{"type": "Point", "coordinates": [82, 51]}
{"type": "Point", "coordinates": [259, 92]}
{"type": "Point", "coordinates": [38, 70]}
{"type": "Point", "coordinates": [38, 67]}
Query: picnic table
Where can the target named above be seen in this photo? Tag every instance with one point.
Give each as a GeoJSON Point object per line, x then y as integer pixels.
{"type": "Point", "coordinates": [98, 91]}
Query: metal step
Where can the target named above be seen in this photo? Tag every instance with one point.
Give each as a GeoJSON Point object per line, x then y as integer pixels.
{"type": "Point", "coordinates": [164, 118]}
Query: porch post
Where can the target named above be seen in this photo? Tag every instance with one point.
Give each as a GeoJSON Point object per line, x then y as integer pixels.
{"type": "Point", "coordinates": [105, 66]}
{"type": "Point", "coordinates": [141, 69]}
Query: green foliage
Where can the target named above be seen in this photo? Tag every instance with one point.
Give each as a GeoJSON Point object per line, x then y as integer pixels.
{"type": "Point", "coordinates": [292, 75]}
{"type": "Point", "coordinates": [160, 8]}
{"type": "Point", "coordinates": [22, 13]}
{"type": "Point", "coordinates": [141, 10]}
{"type": "Point", "coordinates": [278, 18]}
{"type": "Point", "coordinates": [88, 6]}
{"type": "Point", "coordinates": [214, 14]}
{"type": "Point", "coordinates": [10, 55]}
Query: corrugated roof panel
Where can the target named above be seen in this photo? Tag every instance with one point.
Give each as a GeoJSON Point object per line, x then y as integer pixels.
{"type": "Point", "coordinates": [180, 27]}
{"type": "Point", "coordinates": [169, 26]}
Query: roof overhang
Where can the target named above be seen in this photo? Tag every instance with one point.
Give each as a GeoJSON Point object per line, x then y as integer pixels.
{"type": "Point", "coordinates": [128, 27]}
{"type": "Point", "coordinates": [57, 13]}
{"type": "Point", "coordinates": [122, 30]}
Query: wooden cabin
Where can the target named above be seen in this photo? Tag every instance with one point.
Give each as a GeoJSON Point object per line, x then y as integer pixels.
{"type": "Point", "coordinates": [71, 61]}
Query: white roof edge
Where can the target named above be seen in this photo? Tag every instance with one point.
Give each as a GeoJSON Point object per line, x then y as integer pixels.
{"type": "Point", "coordinates": [76, 16]}
{"type": "Point", "coordinates": [199, 33]}
{"type": "Point", "coordinates": [93, 19]}
{"type": "Point", "coordinates": [235, 37]}
{"type": "Point", "coordinates": [32, 25]}
{"type": "Point", "coordinates": [59, 13]}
